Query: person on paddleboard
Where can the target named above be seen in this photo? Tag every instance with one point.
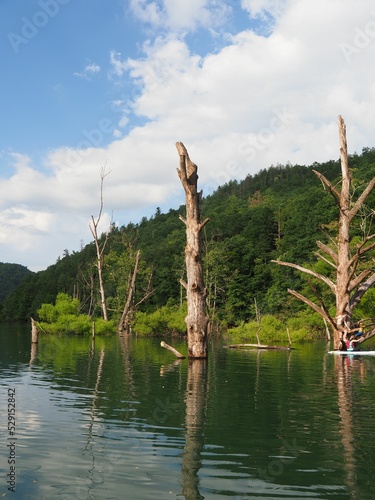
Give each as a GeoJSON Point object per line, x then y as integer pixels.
{"type": "Point", "coordinates": [351, 344]}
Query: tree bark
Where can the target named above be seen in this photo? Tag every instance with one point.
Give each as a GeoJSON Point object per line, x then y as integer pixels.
{"type": "Point", "coordinates": [34, 332]}
{"type": "Point", "coordinates": [196, 319]}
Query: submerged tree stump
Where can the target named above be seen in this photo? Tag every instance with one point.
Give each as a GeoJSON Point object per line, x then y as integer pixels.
{"type": "Point", "coordinates": [34, 332]}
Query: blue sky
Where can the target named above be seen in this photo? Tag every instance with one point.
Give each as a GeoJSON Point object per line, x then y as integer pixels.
{"type": "Point", "coordinates": [244, 84]}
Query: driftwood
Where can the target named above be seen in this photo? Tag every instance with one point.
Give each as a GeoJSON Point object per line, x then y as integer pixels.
{"type": "Point", "coordinates": [172, 349]}
{"type": "Point", "coordinates": [259, 346]}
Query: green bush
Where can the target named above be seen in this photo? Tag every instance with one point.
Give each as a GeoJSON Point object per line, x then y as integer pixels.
{"type": "Point", "coordinates": [303, 326]}
{"type": "Point", "coordinates": [64, 317]}
{"type": "Point", "coordinates": [166, 320]}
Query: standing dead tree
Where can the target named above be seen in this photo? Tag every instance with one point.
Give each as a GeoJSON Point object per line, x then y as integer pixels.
{"type": "Point", "coordinates": [100, 246]}
{"type": "Point", "coordinates": [130, 306]}
{"type": "Point", "coordinates": [351, 279]}
{"type": "Point", "coordinates": [196, 319]}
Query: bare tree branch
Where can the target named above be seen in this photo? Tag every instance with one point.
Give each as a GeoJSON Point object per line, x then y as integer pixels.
{"type": "Point", "coordinates": [330, 186]}
{"type": "Point", "coordinates": [320, 277]}
{"type": "Point", "coordinates": [326, 249]}
{"type": "Point", "coordinates": [316, 308]}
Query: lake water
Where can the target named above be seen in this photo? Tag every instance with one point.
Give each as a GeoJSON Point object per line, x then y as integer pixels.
{"type": "Point", "coordinates": [122, 418]}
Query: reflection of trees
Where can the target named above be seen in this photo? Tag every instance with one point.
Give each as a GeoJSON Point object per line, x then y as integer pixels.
{"type": "Point", "coordinates": [196, 399]}
{"type": "Point", "coordinates": [343, 369]}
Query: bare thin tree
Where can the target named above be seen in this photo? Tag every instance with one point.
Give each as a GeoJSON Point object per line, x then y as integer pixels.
{"type": "Point", "coordinates": [130, 305]}
{"type": "Point", "coordinates": [100, 245]}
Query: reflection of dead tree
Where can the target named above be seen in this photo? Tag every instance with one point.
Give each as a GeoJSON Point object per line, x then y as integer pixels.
{"type": "Point", "coordinates": [164, 369]}
{"type": "Point", "coordinates": [100, 246]}
{"type": "Point", "coordinates": [95, 398]}
{"type": "Point", "coordinates": [125, 344]}
{"type": "Point", "coordinates": [90, 442]}
{"type": "Point", "coordinates": [196, 400]}
{"type": "Point", "coordinates": [344, 384]}
{"type": "Point", "coordinates": [96, 390]}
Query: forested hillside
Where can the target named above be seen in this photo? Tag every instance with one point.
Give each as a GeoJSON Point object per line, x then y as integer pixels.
{"type": "Point", "coordinates": [278, 213]}
{"type": "Point", "coordinates": [11, 275]}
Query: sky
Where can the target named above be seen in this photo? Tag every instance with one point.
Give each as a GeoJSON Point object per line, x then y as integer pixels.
{"type": "Point", "coordinates": [92, 86]}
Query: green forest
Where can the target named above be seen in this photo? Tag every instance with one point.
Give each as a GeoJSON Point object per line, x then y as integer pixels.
{"type": "Point", "coordinates": [279, 213]}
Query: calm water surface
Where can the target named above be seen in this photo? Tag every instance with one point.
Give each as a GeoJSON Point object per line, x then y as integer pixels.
{"type": "Point", "coordinates": [122, 418]}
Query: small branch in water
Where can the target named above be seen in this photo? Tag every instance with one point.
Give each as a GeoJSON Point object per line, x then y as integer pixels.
{"type": "Point", "coordinates": [258, 346]}
{"type": "Point", "coordinates": [172, 349]}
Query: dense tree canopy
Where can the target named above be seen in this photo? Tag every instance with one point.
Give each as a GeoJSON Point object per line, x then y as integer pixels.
{"type": "Point", "coordinates": [278, 213]}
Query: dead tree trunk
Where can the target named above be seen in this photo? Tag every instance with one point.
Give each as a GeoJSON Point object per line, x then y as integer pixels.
{"type": "Point", "coordinates": [34, 332]}
{"type": "Point", "coordinates": [123, 325]}
{"type": "Point", "coordinates": [196, 319]}
{"type": "Point", "coordinates": [350, 282]}
{"type": "Point", "coordinates": [100, 247]}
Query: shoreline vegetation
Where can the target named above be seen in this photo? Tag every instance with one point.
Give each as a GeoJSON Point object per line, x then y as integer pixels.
{"type": "Point", "coordinates": [65, 318]}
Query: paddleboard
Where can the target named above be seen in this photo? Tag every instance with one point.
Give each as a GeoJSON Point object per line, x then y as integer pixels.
{"type": "Point", "coordinates": [353, 353]}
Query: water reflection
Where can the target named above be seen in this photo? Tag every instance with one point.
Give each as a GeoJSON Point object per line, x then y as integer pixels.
{"type": "Point", "coordinates": [117, 418]}
{"type": "Point", "coordinates": [89, 447]}
{"type": "Point", "coordinates": [196, 401]}
{"type": "Point", "coordinates": [345, 365]}
{"type": "Point", "coordinates": [33, 353]}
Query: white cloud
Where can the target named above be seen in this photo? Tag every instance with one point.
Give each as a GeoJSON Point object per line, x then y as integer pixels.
{"type": "Point", "coordinates": [90, 70]}
{"type": "Point", "coordinates": [258, 101]}
{"type": "Point", "coordinates": [118, 67]}
{"type": "Point", "coordinates": [147, 12]}
{"type": "Point", "coordinates": [273, 8]}
{"type": "Point", "coordinates": [181, 15]}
